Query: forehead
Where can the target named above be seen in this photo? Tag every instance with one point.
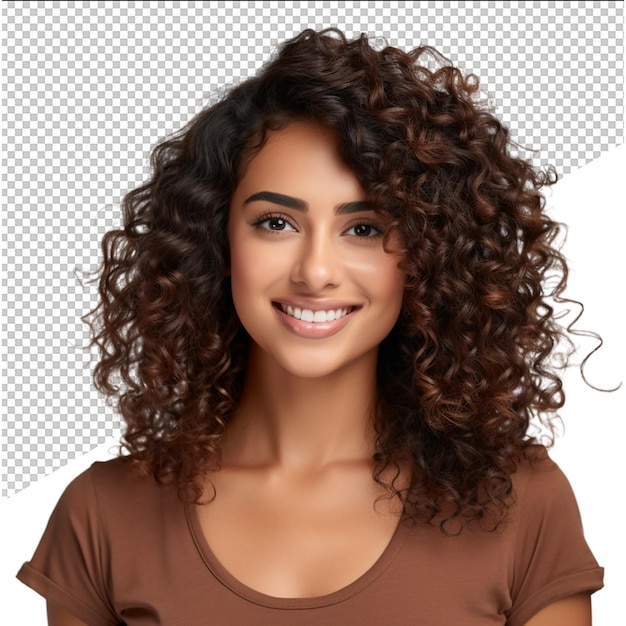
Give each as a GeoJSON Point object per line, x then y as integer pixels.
{"type": "Point", "coordinates": [301, 158]}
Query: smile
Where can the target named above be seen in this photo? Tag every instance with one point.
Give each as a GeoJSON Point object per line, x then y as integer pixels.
{"type": "Point", "coordinates": [315, 317]}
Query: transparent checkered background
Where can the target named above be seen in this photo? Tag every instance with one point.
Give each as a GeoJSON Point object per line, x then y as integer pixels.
{"type": "Point", "coordinates": [90, 87]}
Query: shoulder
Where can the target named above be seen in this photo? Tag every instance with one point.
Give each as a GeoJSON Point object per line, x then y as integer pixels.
{"type": "Point", "coordinates": [537, 465]}
{"type": "Point", "coordinates": [536, 557]}
{"type": "Point", "coordinates": [540, 489]}
{"type": "Point", "coordinates": [550, 556]}
{"type": "Point", "coordinates": [73, 564]}
{"type": "Point", "coordinates": [537, 474]}
{"type": "Point", "coordinates": [115, 476]}
{"type": "Point", "coordinates": [111, 486]}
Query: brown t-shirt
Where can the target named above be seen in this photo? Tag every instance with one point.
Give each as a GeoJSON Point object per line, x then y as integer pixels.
{"type": "Point", "coordinates": [119, 550]}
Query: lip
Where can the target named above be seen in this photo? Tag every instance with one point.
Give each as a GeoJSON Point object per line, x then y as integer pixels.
{"type": "Point", "coordinates": [314, 330]}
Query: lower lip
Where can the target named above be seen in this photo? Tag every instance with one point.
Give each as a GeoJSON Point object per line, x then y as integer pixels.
{"type": "Point", "coordinates": [313, 330]}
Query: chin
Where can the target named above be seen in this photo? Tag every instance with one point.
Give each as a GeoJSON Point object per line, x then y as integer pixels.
{"type": "Point", "coordinates": [310, 366]}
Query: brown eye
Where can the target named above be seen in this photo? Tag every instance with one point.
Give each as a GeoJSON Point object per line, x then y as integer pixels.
{"type": "Point", "coordinates": [276, 223]}
{"type": "Point", "coordinates": [364, 230]}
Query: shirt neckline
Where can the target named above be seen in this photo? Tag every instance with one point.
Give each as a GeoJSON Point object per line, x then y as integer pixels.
{"type": "Point", "coordinates": [252, 595]}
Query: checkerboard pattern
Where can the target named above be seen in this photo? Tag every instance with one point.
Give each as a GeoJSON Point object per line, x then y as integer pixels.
{"type": "Point", "coordinates": [91, 87]}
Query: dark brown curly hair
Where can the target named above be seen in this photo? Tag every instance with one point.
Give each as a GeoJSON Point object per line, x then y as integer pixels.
{"type": "Point", "coordinates": [468, 365]}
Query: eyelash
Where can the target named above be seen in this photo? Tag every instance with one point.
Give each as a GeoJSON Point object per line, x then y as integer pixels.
{"type": "Point", "coordinates": [271, 216]}
{"type": "Point", "coordinates": [258, 222]}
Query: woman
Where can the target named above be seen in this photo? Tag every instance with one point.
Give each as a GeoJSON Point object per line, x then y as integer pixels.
{"type": "Point", "coordinates": [327, 324]}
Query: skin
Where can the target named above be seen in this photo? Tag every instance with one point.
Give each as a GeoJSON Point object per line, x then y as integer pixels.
{"type": "Point", "coordinates": [296, 458]}
{"type": "Point", "coordinates": [297, 455]}
{"type": "Point", "coordinates": [325, 253]}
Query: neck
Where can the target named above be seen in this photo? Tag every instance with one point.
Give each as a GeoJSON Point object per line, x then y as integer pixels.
{"type": "Point", "coordinates": [302, 423]}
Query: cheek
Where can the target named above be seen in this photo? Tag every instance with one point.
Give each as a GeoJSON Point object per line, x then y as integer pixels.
{"type": "Point", "coordinates": [242, 276]}
{"type": "Point", "coordinates": [391, 284]}
{"type": "Point", "coordinates": [381, 276]}
{"type": "Point", "coordinates": [252, 269]}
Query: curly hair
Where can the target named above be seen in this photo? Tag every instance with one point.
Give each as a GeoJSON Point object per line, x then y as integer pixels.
{"type": "Point", "coordinates": [466, 369]}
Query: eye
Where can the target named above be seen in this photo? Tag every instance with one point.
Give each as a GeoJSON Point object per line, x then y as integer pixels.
{"type": "Point", "coordinates": [364, 230]}
{"type": "Point", "coordinates": [275, 223]}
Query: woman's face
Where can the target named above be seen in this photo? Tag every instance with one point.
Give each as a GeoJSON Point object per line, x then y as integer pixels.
{"type": "Point", "coordinates": [311, 282]}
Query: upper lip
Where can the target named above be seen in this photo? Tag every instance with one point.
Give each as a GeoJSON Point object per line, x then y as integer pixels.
{"type": "Point", "coordinates": [316, 305]}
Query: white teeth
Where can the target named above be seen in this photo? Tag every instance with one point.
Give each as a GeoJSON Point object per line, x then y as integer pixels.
{"type": "Point", "coordinates": [316, 317]}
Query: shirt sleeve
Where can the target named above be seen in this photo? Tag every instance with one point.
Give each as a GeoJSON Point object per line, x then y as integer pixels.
{"type": "Point", "coordinates": [70, 564]}
{"type": "Point", "coordinates": [552, 558]}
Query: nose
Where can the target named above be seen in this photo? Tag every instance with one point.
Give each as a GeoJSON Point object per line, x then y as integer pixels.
{"type": "Point", "coordinates": [318, 265]}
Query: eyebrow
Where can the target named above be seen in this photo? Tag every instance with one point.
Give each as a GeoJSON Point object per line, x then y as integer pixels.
{"type": "Point", "coordinates": [300, 205]}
